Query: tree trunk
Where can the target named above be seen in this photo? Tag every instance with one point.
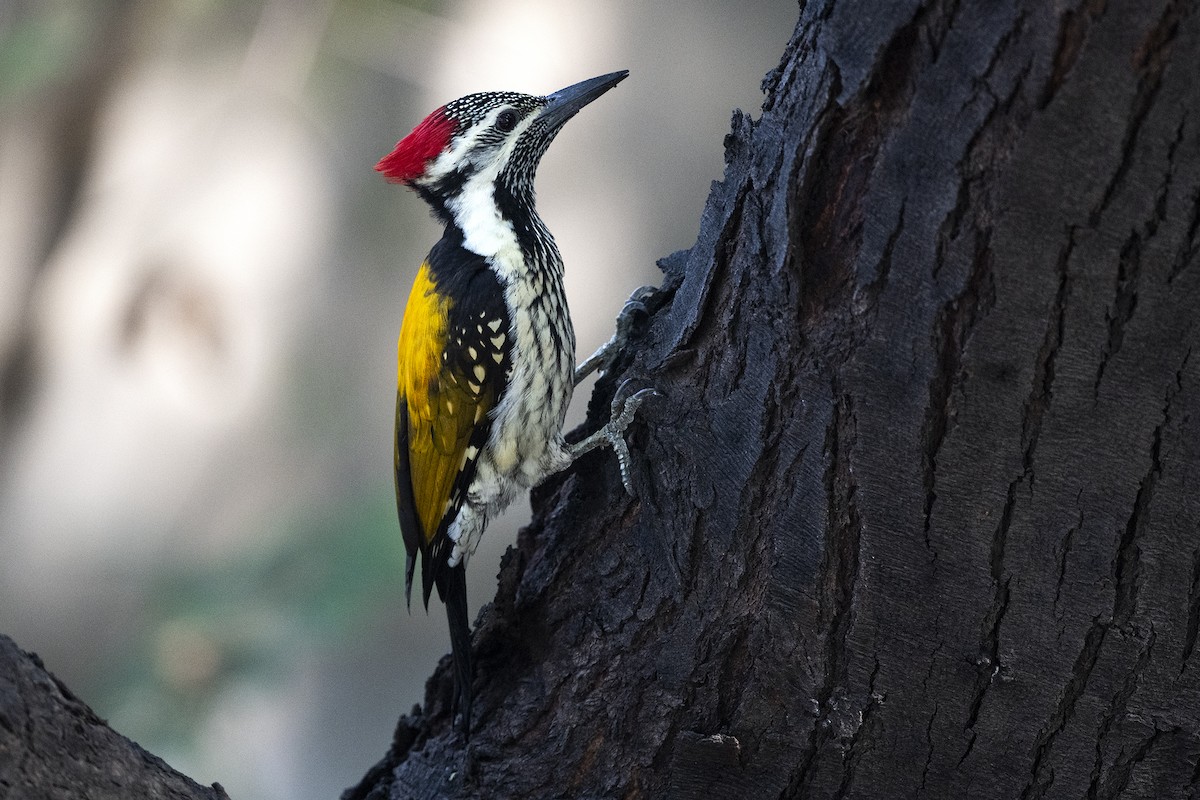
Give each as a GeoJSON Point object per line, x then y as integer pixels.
{"type": "Point", "coordinates": [53, 747]}
{"type": "Point", "coordinates": [917, 511]}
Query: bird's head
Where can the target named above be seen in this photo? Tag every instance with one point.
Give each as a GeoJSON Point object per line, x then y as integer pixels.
{"type": "Point", "coordinates": [486, 140]}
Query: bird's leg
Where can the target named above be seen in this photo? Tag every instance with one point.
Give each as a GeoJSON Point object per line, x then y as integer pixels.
{"type": "Point", "coordinates": [623, 408]}
{"type": "Point", "coordinates": [613, 433]}
{"type": "Point", "coordinates": [602, 359]}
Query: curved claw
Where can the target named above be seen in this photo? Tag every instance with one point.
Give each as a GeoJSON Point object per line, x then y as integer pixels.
{"type": "Point", "coordinates": [613, 433]}
{"type": "Point", "coordinates": [636, 304]}
{"type": "Point", "coordinates": [602, 359]}
{"type": "Point", "coordinates": [623, 412]}
{"type": "Point", "coordinates": [641, 294]}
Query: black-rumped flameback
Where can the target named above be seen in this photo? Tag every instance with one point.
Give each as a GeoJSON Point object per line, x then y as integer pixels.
{"type": "Point", "coordinates": [486, 352]}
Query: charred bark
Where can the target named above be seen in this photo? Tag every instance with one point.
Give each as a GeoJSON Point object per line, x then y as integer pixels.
{"type": "Point", "coordinates": [917, 513]}
{"type": "Point", "coordinates": [53, 747]}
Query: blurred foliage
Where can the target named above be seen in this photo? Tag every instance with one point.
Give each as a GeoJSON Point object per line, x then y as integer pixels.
{"type": "Point", "coordinates": [40, 44]}
{"type": "Point", "coordinates": [257, 611]}
{"type": "Point", "coordinates": [247, 618]}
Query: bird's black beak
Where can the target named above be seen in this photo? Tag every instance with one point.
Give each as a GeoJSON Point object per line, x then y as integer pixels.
{"type": "Point", "coordinates": [565, 103]}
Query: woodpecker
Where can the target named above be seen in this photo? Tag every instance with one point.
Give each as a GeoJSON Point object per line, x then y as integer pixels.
{"type": "Point", "coordinates": [486, 350]}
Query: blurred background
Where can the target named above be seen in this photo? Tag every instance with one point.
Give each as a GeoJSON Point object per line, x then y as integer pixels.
{"type": "Point", "coordinates": [201, 282]}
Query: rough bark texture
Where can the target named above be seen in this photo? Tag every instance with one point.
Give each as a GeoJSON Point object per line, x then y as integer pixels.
{"type": "Point", "coordinates": [917, 514]}
{"type": "Point", "coordinates": [53, 747]}
{"type": "Point", "coordinates": [918, 510]}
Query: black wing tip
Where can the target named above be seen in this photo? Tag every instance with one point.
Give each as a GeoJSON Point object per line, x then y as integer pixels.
{"type": "Point", "coordinates": [406, 504]}
{"type": "Point", "coordinates": [430, 573]}
{"type": "Point", "coordinates": [410, 567]}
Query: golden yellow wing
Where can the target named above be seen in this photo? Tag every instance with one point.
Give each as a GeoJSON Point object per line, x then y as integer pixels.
{"type": "Point", "coordinates": [444, 393]}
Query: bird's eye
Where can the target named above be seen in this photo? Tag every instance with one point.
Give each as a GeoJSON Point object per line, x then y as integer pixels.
{"type": "Point", "coordinates": [506, 121]}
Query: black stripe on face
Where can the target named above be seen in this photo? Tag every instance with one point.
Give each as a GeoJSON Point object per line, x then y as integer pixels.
{"type": "Point", "coordinates": [454, 182]}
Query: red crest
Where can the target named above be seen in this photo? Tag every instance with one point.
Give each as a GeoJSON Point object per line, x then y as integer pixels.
{"type": "Point", "coordinates": [407, 160]}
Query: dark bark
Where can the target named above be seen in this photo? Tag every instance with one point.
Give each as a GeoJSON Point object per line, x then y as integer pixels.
{"type": "Point", "coordinates": [52, 746]}
{"type": "Point", "coordinates": [918, 509]}
{"type": "Point", "coordinates": [917, 513]}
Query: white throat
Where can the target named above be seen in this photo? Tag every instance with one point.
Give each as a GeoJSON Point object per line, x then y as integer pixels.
{"type": "Point", "coordinates": [484, 230]}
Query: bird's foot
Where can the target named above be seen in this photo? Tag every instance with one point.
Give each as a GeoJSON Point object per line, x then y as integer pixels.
{"type": "Point", "coordinates": [603, 358]}
{"type": "Point", "coordinates": [613, 433]}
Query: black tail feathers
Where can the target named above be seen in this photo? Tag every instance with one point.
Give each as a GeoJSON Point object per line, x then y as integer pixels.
{"type": "Point", "coordinates": [452, 586]}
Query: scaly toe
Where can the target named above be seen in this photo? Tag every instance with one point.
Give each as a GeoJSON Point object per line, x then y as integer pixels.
{"type": "Point", "coordinates": [625, 408]}
{"type": "Point", "coordinates": [623, 411]}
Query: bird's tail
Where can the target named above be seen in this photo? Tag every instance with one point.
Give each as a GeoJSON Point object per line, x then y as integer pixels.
{"type": "Point", "coordinates": [453, 589]}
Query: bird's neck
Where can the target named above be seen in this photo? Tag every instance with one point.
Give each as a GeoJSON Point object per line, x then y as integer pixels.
{"type": "Point", "coordinates": [502, 225]}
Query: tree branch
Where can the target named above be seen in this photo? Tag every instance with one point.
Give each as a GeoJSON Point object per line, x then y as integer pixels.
{"type": "Point", "coordinates": [53, 746]}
